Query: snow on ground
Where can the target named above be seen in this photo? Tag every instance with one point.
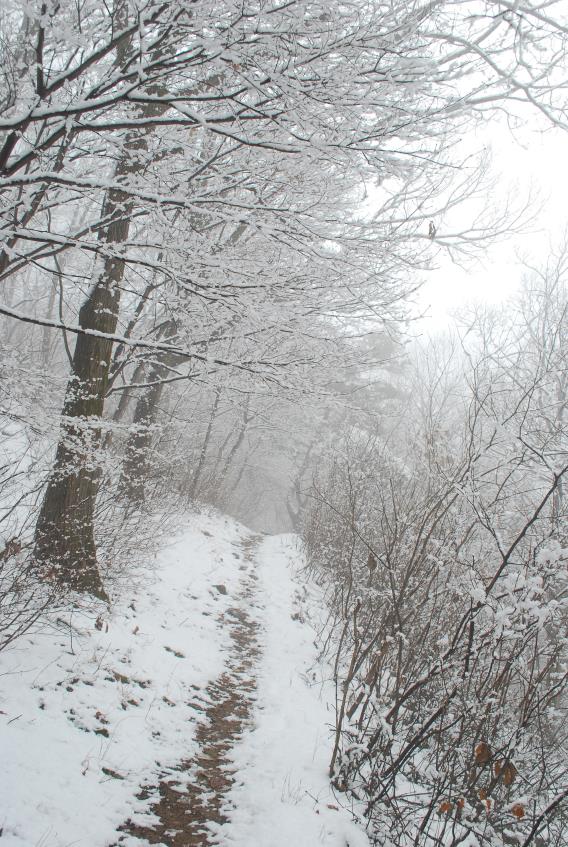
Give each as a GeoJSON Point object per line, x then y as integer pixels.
{"type": "Point", "coordinates": [85, 714]}
{"type": "Point", "coordinates": [97, 704]}
{"type": "Point", "coordinates": [282, 797]}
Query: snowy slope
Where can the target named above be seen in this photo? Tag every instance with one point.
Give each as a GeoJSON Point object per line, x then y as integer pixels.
{"type": "Point", "coordinates": [97, 705]}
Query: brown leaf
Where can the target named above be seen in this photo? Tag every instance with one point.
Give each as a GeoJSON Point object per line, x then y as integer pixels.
{"type": "Point", "coordinates": [482, 753]}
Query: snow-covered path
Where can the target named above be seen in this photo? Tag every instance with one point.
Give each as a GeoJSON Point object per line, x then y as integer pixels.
{"type": "Point", "coordinates": [194, 714]}
{"type": "Point", "coordinates": [281, 796]}
{"type": "Point", "coordinates": [191, 798]}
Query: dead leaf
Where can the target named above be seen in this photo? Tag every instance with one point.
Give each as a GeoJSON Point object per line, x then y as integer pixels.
{"type": "Point", "coordinates": [482, 753]}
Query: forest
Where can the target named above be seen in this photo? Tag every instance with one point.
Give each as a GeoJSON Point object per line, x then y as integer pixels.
{"type": "Point", "coordinates": [216, 221]}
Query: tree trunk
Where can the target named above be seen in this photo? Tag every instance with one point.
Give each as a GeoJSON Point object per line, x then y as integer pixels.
{"type": "Point", "coordinates": [65, 528]}
{"type": "Point", "coordinates": [204, 447]}
{"type": "Point", "coordinates": [136, 466]}
{"type": "Point", "coordinates": [64, 539]}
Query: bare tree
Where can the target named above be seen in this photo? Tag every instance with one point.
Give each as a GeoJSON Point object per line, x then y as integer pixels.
{"type": "Point", "coordinates": [166, 129]}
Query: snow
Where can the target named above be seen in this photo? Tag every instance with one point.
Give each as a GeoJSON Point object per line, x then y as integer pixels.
{"type": "Point", "coordinates": [283, 796]}
{"type": "Point", "coordinates": [94, 704]}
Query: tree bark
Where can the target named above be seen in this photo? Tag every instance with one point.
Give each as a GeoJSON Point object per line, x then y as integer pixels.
{"type": "Point", "coordinates": [65, 529]}
{"type": "Point", "coordinates": [194, 488]}
{"type": "Point", "coordinates": [64, 539]}
{"type": "Point", "coordinates": [136, 463]}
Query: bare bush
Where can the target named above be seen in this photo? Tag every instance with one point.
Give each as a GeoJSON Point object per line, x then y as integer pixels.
{"type": "Point", "coordinates": [444, 552]}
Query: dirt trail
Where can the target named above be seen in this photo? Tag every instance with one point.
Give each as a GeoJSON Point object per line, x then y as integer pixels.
{"type": "Point", "coordinates": [185, 810]}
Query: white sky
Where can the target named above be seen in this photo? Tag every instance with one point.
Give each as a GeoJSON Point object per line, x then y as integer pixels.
{"type": "Point", "coordinates": [525, 160]}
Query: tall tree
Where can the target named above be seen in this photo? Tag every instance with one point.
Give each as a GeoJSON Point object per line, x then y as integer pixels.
{"type": "Point", "coordinates": [166, 122]}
